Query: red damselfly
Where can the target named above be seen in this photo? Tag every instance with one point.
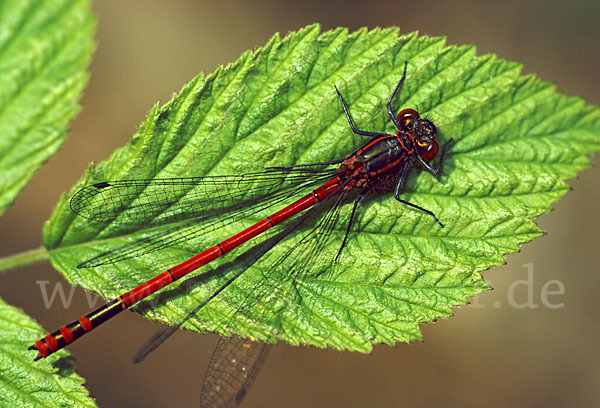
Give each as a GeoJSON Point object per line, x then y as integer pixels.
{"type": "Point", "coordinates": [207, 203]}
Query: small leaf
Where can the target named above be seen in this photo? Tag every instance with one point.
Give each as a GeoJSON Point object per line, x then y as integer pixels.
{"type": "Point", "coordinates": [516, 141]}
{"type": "Point", "coordinates": [44, 49]}
{"type": "Point", "coordinates": [25, 383]}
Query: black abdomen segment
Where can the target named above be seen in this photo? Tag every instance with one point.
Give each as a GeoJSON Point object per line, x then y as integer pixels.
{"type": "Point", "coordinates": [69, 333]}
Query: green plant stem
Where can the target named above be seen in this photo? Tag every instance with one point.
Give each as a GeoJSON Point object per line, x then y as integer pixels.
{"type": "Point", "coordinates": [24, 258]}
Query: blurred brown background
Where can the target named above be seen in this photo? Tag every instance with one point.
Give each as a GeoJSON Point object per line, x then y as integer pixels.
{"type": "Point", "coordinates": [490, 354]}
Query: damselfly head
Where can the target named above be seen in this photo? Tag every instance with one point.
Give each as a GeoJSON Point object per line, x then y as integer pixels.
{"type": "Point", "coordinates": [428, 150]}
{"type": "Point", "coordinates": [407, 119]}
{"type": "Point", "coordinates": [423, 131]}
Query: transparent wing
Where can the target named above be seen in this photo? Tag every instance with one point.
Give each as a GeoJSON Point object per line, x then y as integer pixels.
{"type": "Point", "coordinates": [163, 334]}
{"type": "Point", "coordinates": [232, 369]}
{"type": "Point", "coordinates": [276, 291]}
{"type": "Point", "coordinates": [278, 279]}
{"type": "Point", "coordinates": [161, 201]}
{"type": "Point", "coordinates": [238, 198]}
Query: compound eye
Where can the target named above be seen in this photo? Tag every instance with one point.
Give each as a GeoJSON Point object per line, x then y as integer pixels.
{"type": "Point", "coordinates": [429, 152]}
{"type": "Point", "coordinates": [408, 112]}
{"type": "Point", "coordinates": [407, 118]}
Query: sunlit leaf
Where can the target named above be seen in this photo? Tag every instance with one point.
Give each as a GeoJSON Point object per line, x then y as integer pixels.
{"type": "Point", "coordinates": [25, 383]}
{"type": "Point", "coordinates": [516, 141]}
{"type": "Point", "coordinates": [45, 46]}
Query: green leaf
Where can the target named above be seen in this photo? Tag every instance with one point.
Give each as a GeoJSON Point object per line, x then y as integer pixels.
{"type": "Point", "coordinates": [45, 46]}
{"type": "Point", "coordinates": [25, 383]}
{"type": "Point", "coordinates": [516, 141]}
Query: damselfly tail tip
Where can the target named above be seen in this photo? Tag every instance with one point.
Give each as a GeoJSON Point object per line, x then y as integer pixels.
{"type": "Point", "coordinates": [34, 347]}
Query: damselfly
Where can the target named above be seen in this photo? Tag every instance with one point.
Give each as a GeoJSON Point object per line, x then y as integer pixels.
{"type": "Point", "coordinates": [214, 201]}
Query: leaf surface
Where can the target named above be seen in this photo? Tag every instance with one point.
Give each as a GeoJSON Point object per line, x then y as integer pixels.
{"type": "Point", "coordinates": [45, 46]}
{"type": "Point", "coordinates": [25, 383]}
{"type": "Point", "coordinates": [516, 141]}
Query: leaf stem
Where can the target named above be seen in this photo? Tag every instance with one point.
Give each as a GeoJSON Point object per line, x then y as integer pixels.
{"type": "Point", "coordinates": [23, 258]}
